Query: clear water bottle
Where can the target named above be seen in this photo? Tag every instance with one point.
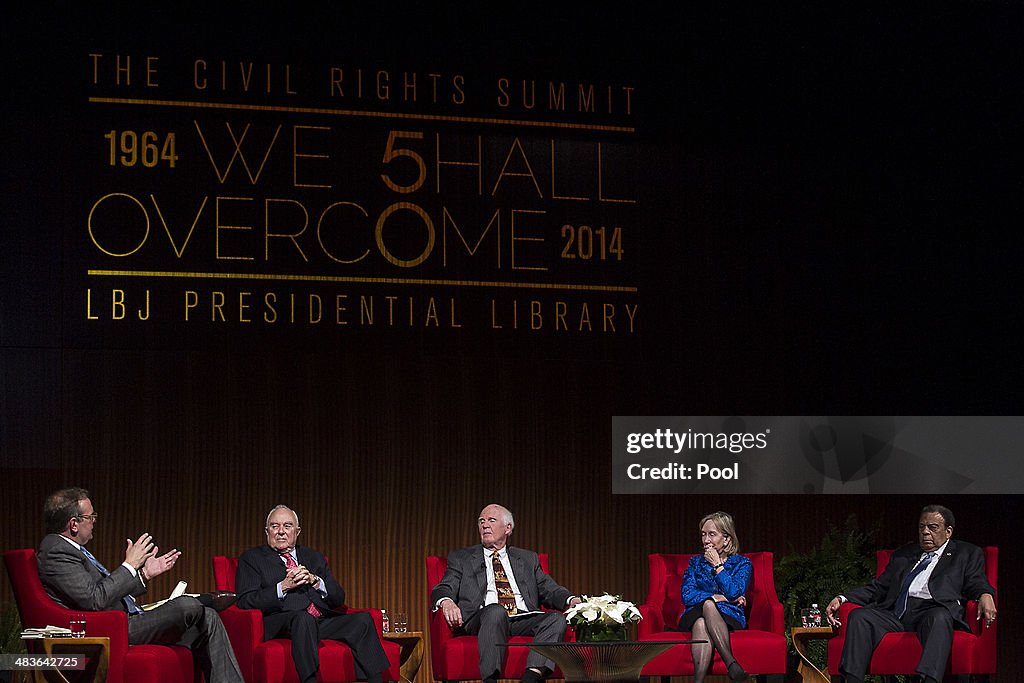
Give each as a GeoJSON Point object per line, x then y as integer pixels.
{"type": "Point", "coordinates": [815, 616]}
{"type": "Point", "coordinates": [386, 621]}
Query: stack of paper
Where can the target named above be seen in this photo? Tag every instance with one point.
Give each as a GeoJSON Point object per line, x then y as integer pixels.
{"type": "Point", "coordinates": [178, 591]}
{"type": "Point", "coordinates": [48, 632]}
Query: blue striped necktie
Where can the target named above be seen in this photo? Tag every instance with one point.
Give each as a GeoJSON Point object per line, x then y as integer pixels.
{"type": "Point", "coordinates": [129, 601]}
{"type": "Point", "coordinates": [901, 602]}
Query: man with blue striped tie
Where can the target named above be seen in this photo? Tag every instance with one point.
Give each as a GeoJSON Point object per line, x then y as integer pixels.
{"type": "Point", "coordinates": [77, 580]}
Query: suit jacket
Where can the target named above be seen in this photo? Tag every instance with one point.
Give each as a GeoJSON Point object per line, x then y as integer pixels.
{"type": "Point", "coordinates": [465, 581]}
{"type": "Point", "coordinates": [261, 569]}
{"type": "Point", "coordinates": [74, 582]}
{"type": "Point", "coordinates": [959, 575]}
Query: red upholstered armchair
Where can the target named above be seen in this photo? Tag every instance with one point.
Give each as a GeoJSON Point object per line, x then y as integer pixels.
{"type": "Point", "coordinates": [127, 663]}
{"type": "Point", "coordinates": [973, 653]}
{"type": "Point", "coordinates": [760, 648]}
{"type": "Point", "coordinates": [456, 658]}
{"type": "Point", "coordinates": [270, 661]}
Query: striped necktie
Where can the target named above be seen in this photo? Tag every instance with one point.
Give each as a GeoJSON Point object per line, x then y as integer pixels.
{"type": "Point", "coordinates": [901, 601]}
{"type": "Point", "coordinates": [502, 586]}
{"type": "Point", "coordinates": [290, 562]}
{"type": "Point", "coordinates": [129, 601]}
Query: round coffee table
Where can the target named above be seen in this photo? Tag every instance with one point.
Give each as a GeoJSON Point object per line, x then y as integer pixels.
{"type": "Point", "coordinates": [609, 660]}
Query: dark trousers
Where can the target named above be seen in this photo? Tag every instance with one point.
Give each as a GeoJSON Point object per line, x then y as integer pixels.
{"type": "Point", "coordinates": [356, 630]}
{"type": "Point", "coordinates": [184, 621]}
{"type": "Point", "coordinates": [866, 626]}
{"type": "Point", "coordinates": [492, 627]}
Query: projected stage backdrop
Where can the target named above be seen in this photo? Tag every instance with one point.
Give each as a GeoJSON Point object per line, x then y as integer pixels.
{"type": "Point", "coordinates": [389, 265]}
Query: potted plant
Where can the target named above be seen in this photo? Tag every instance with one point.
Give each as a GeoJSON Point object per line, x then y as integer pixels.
{"type": "Point", "coordinates": [10, 637]}
{"type": "Point", "coordinates": [844, 558]}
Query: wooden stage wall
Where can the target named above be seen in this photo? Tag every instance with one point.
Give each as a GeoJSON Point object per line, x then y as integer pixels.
{"type": "Point", "coordinates": [198, 463]}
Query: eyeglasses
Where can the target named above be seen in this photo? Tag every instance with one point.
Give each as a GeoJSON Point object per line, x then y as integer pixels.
{"type": "Point", "coordinates": [92, 517]}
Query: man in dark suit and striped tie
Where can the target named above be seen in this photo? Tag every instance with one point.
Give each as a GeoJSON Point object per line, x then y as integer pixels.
{"type": "Point", "coordinates": [300, 599]}
{"type": "Point", "coordinates": [77, 580]}
{"type": "Point", "coordinates": [923, 589]}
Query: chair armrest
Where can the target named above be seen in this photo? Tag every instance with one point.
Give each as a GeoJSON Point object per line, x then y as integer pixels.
{"type": "Point", "coordinates": [971, 617]}
{"type": "Point", "coordinates": [844, 616]}
{"type": "Point", "coordinates": [440, 634]}
{"type": "Point", "coordinates": [111, 624]}
{"type": "Point", "coordinates": [439, 629]}
{"type": "Point", "coordinates": [985, 648]}
{"type": "Point", "coordinates": [391, 649]}
{"type": "Point", "coordinates": [778, 618]}
{"type": "Point", "coordinates": [374, 612]}
{"type": "Point", "coordinates": [977, 626]}
{"type": "Point", "coordinates": [652, 621]}
{"type": "Point", "coordinates": [243, 625]}
{"type": "Point", "coordinates": [245, 631]}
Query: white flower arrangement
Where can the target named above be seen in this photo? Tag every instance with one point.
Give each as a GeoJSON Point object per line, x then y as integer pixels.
{"type": "Point", "coordinates": [604, 609]}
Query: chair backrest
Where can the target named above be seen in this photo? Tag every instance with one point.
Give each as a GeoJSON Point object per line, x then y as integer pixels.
{"type": "Point", "coordinates": [35, 607]}
{"type": "Point", "coordinates": [882, 558]}
{"type": "Point", "coordinates": [224, 569]}
{"type": "Point", "coordinates": [764, 611]}
{"type": "Point", "coordinates": [436, 567]}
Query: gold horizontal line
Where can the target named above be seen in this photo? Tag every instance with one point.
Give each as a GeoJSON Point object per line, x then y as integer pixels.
{"type": "Point", "coordinates": [363, 114]}
{"type": "Point", "coordinates": [363, 280]}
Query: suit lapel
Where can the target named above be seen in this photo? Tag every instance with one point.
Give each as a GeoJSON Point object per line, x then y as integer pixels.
{"type": "Point", "coordinates": [523, 581]}
{"type": "Point", "coordinates": [274, 564]}
{"type": "Point", "coordinates": [480, 570]}
{"type": "Point", "coordinates": [941, 563]}
{"type": "Point", "coordinates": [79, 555]}
{"type": "Point", "coordinates": [897, 585]}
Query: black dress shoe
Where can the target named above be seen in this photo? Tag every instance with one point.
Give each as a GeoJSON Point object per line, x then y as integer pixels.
{"type": "Point", "coordinates": [736, 672]}
{"type": "Point", "coordinates": [219, 601]}
{"type": "Point", "coordinates": [531, 676]}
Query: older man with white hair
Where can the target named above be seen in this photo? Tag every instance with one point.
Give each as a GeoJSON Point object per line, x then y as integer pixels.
{"type": "Point", "coordinates": [494, 591]}
{"type": "Point", "coordinates": [300, 599]}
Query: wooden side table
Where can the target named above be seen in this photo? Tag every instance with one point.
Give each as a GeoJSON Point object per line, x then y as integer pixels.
{"type": "Point", "coordinates": [96, 649]}
{"type": "Point", "coordinates": [411, 655]}
{"type": "Point", "coordinates": [809, 673]}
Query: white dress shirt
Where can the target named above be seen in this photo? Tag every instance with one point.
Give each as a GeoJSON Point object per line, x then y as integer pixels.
{"type": "Point", "coordinates": [919, 586]}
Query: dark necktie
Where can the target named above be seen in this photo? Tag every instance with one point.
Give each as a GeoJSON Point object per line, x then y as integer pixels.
{"type": "Point", "coordinates": [501, 584]}
{"type": "Point", "coordinates": [290, 562]}
{"type": "Point", "coordinates": [129, 601]}
{"type": "Point", "coordinates": [901, 601]}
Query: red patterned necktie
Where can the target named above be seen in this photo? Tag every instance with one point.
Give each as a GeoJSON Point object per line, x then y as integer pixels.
{"type": "Point", "coordinates": [501, 584]}
{"type": "Point", "coordinates": [290, 562]}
